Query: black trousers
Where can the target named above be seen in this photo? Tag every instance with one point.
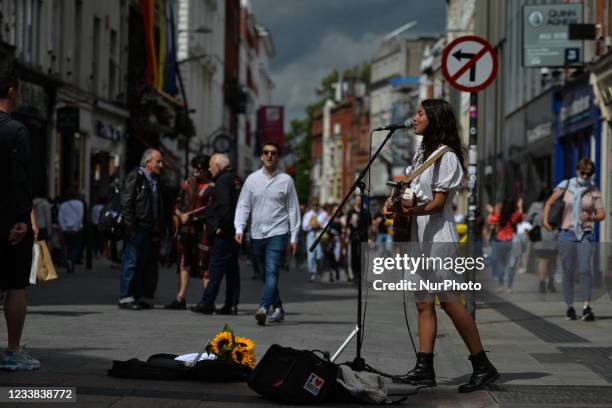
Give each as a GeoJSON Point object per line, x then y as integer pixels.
{"type": "Point", "coordinates": [223, 262]}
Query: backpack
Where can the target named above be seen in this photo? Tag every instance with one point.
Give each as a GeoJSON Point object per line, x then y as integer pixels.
{"type": "Point", "coordinates": [111, 220]}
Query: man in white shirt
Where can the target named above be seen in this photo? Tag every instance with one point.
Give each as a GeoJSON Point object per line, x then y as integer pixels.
{"type": "Point", "coordinates": [70, 216]}
{"type": "Point", "coordinates": [269, 197]}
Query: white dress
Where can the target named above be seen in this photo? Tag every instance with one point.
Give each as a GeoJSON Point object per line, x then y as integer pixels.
{"type": "Point", "coordinates": [445, 175]}
{"type": "Point", "coordinates": [436, 234]}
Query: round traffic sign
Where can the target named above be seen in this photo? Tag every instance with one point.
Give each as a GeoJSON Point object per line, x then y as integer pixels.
{"type": "Point", "coordinates": [469, 63]}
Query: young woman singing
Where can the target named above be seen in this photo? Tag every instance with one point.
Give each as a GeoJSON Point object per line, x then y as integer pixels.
{"type": "Point", "coordinates": [433, 228]}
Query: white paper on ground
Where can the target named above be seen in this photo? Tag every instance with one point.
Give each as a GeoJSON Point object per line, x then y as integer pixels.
{"type": "Point", "coordinates": [191, 356]}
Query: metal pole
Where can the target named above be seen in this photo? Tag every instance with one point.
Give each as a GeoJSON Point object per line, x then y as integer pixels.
{"type": "Point", "coordinates": [472, 191]}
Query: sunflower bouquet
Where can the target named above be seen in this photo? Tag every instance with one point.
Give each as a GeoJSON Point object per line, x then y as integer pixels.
{"type": "Point", "coordinates": [226, 346]}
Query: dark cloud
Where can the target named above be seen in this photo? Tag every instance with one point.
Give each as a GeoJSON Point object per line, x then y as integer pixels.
{"type": "Point", "coordinates": [312, 37]}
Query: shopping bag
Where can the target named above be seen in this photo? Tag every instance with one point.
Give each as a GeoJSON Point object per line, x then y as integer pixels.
{"type": "Point", "coordinates": [35, 260]}
{"type": "Point", "coordinates": [46, 269]}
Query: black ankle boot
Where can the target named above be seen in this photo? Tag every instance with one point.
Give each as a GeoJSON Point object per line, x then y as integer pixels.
{"type": "Point", "coordinates": [422, 374]}
{"type": "Point", "coordinates": [484, 373]}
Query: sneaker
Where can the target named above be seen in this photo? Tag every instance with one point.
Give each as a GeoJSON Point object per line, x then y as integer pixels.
{"type": "Point", "coordinates": [261, 316]}
{"type": "Point", "coordinates": [587, 314]}
{"type": "Point", "coordinates": [176, 305]}
{"type": "Point", "coordinates": [509, 290]}
{"type": "Point", "coordinates": [571, 313]}
{"type": "Point", "coordinates": [551, 286]}
{"type": "Point", "coordinates": [21, 360]}
{"type": "Point", "coordinates": [312, 277]}
{"type": "Point", "coordinates": [277, 316]}
{"type": "Point", "coordinates": [499, 289]}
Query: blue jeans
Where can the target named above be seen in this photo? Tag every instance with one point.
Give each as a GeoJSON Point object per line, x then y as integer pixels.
{"type": "Point", "coordinates": [314, 258]}
{"type": "Point", "coordinates": [223, 261]}
{"type": "Point", "coordinates": [503, 262]}
{"type": "Point", "coordinates": [386, 240]}
{"type": "Point", "coordinates": [576, 255]}
{"type": "Point", "coordinates": [136, 250]}
{"type": "Point", "coordinates": [269, 253]}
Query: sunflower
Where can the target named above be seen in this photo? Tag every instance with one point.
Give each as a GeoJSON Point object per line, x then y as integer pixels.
{"type": "Point", "coordinates": [251, 358]}
{"type": "Point", "coordinates": [245, 343]}
{"type": "Point", "coordinates": [221, 341]}
{"type": "Point", "coordinates": [240, 355]}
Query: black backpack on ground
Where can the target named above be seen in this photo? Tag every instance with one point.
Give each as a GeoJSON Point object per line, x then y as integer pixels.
{"type": "Point", "coordinates": [293, 376]}
{"type": "Point", "coordinates": [111, 221]}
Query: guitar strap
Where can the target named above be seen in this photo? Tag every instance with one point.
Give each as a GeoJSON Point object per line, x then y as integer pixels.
{"type": "Point", "coordinates": [434, 157]}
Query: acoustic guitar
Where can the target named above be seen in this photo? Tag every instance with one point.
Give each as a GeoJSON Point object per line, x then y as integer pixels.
{"type": "Point", "coordinates": [402, 198]}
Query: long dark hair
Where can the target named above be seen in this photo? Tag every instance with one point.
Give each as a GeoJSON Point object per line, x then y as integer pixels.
{"type": "Point", "coordinates": [508, 208]}
{"type": "Point", "coordinates": [441, 130]}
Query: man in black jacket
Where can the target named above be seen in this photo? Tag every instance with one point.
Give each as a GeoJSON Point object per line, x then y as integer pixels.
{"type": "Point", "coordinates": [219, 219]}
{"type": "Point", "coordinates": [16, 236]}
{"type": "Point", "coordinates": [143, 215]}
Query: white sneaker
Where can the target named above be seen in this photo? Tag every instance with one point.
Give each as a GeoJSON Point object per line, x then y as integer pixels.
{"type": "Point", "coordinates": [21, 360]}
{"type": "Point", "coordinates": [277, 316]}
{"type": "Point", "coordinates": [260, 316]}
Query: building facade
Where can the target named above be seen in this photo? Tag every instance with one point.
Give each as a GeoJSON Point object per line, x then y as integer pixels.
{"type": "Point", "coordinates": [256, 51]}
{"type": "Point", "coordinates": [72, 60]}
{"type": "Point", "coordinates": [201, 59]}
{"type": "Point", "coordinates": [394, 96]}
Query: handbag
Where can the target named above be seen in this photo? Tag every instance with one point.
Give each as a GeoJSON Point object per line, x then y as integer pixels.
{"type": "Point", "coordinates": [402, 198]}
{"type": "Point", "coordinates": [46, 270]}
{"type": "Point", "coordinates": [535, 234]}
{"type": "Point", "coordinates": [555, 214]}
{"type": "Point", "coordinates": [293, 376]}
{"type": "Point", "coordinates": [35, 260]}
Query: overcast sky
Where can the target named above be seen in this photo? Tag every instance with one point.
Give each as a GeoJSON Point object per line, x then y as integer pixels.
{"type": "Point", "coordinates": [312, 37]}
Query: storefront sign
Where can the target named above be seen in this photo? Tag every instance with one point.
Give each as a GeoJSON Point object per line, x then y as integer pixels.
{"type": "Point", "coordinates": [577, 109]}
{"type": "Point", "coordinates": [539, 132]}
{"type": "Point", "coordinates": [108, 131]}
{"type": "Point", "coordinates": [546, 40]}
{"type": "Point", "coordinates": [539, 119]}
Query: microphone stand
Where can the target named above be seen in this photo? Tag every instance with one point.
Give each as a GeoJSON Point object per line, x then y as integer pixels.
{"type": "Point", "coordinates": [358, 363]}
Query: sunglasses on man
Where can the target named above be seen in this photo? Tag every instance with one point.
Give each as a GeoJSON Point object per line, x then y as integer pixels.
{"type": "Point", "coordinates": [586, 174]}
{"type": "Point", "coordinates": [269, 152]}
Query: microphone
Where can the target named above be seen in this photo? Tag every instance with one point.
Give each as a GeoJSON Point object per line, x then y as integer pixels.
{"type": "Point", "coordinates": [406, 125]}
